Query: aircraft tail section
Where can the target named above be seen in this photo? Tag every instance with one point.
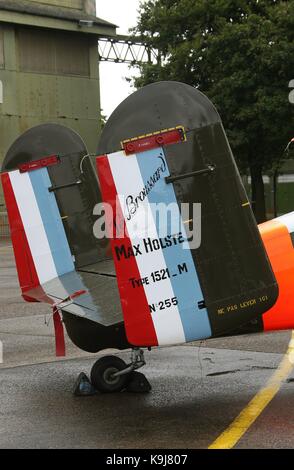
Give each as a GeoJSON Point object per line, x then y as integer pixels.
{"type": "Point", "coordinates": [51, 189]}
{"type": "Point", "coordinates": [185, 291]}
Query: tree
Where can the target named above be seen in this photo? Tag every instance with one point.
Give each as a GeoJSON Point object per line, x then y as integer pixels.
{"type": "Point", "coordinates": [103, 119]}
{"type": "Point", "coordinates": [241, 55]}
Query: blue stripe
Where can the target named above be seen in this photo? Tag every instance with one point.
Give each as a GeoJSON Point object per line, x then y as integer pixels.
{"type": "Point", "coordinates": [52, 221]}
{"type": "Point", "coordinates": [186, 286]}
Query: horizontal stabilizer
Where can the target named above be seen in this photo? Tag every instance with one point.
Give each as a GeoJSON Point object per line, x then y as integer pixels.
{"type": "Point", "coordinates": [97, 298]}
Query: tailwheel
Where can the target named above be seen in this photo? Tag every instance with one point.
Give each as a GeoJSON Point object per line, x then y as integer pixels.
{"type": "Point", "coordinates": [104, 374]}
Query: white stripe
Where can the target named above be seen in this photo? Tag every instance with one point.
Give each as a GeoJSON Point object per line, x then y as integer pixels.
{"type": "Point", "coordinates": [167, 322]}
{"type": "Point", "coordinates": [33, 225]}
{"type": "Point", "coordinates": [288, 220]}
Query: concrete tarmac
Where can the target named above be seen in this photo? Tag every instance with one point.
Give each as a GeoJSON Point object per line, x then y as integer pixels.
{"type": "Point", "coordinates": [197, 389]}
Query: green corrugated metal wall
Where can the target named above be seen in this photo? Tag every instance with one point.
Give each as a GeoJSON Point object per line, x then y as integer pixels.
{"type": "Point", "coordinates": [34, 97]}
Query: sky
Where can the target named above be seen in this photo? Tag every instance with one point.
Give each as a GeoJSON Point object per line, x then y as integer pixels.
{"type": "Point", "coordinates": [113, 86]}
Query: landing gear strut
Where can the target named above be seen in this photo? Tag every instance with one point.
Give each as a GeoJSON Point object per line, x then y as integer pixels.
{"type": "Point", "coordinates": [112, 374]}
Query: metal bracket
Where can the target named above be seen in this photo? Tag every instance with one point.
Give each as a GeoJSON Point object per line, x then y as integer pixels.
{"type": "Point", "coordinates": [201, 304]}
{"type": "Point", "coordinates": [138, 361]}
{"type": "Point", "coordinates": [209, 169]}
{"type": "Point", "coordinates": [55, 188]}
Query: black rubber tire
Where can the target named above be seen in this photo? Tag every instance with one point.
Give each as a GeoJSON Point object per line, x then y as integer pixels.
{"type": "Point", "coordinates": [101, 374]}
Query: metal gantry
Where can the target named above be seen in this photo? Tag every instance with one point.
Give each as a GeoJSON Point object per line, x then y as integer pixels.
{"type": "Point", "coordinates": [123, 49]}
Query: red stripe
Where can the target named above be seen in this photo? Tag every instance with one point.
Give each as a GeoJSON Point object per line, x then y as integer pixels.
{"type": "Point", "coordinates": [139, 326]}
{"type": "Point", "coordinates": [59, 333]}
{"type": "Point", "coordinates": [27, 274]}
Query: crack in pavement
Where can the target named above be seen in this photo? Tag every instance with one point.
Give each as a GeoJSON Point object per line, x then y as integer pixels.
{"type": "Point", "coordinates": [234, 371]}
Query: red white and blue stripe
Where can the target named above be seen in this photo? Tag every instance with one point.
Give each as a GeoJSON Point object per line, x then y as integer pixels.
{"type": "Point", "coordinates": [44, 261]}
{"type": "Point", "coordinates": [42, 223]}
{"type": "Point", "coordinates": [43, 258]}
{"type": "Point", "coordinates": [119, 177]}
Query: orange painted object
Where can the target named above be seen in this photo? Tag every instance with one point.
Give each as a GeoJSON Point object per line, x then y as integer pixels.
{"type": "Point", "coordinates": [280, 250]}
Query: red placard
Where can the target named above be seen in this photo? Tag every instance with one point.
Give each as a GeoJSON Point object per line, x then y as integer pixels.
{"type": "Point", "coordinates": [158, 139]}
{"type": "Point", "coordinates": [36, 164]}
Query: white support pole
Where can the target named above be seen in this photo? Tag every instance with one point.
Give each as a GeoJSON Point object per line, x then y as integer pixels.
{"type": "Point", "coordinates": [291, 94]}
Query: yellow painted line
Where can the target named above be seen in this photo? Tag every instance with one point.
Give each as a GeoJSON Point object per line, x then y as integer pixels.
{"type": "Point", "coordinates": [255, 407]}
